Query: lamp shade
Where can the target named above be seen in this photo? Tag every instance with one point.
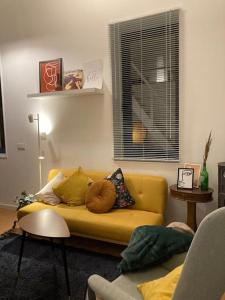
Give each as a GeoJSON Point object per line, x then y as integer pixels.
{"type": "Point", "coordinates": [138, 133]}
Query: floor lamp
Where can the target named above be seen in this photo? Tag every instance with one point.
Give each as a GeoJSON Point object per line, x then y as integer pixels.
{"type": "Point", "coordinates": [40, 154]}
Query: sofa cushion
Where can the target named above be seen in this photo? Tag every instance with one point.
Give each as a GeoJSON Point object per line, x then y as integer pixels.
{"type": "Point", "coordinates": [100, 196]}
{"type": "Point", "coordinates": [123, 197]}
{"type": "Point", "coordinates": [162, 288]}
{"type": "Point", "coordinates": [149, 192]}
{"type": "Point", "coordinates": [46, 194]}
{"type": "Point", "coordinates": [73, 189]}
{"type": "Point", "coordinates": [48, 198]}
{"type": "Point", "coordinates": [174, 261]}
{"type": "Point", "coordinates": [128, 282]}
{"type": "Point", "coordinates": [54, 181]}
{"type": "Point", "coordinates": [116, 226]}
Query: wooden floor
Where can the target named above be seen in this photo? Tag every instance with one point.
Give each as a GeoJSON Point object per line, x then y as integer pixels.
{"type": "Point", "coordinates": [7, 217]}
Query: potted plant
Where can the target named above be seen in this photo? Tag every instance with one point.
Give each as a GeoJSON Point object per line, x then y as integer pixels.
{"type": "Point", "coordinates": [204, 183]}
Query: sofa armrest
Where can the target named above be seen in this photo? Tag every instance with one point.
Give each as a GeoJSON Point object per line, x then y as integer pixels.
{"type": "Point", "coordinates": [105, 289]}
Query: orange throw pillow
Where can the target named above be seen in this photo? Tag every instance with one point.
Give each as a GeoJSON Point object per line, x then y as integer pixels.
{"type": "Point", "coordinates": [100, 196]}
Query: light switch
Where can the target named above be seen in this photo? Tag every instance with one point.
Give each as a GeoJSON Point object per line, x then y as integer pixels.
{"type": "Point", "coordinates": [20, 146]}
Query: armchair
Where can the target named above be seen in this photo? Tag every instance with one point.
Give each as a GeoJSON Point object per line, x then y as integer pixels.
{"type": "Point", "coordinates": [202, 277]}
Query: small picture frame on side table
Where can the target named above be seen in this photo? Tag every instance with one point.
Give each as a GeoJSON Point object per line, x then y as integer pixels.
{"type": "Point", "coordinates": [197, 169]}
{"type": "Point", "coordinates": [185, 178]}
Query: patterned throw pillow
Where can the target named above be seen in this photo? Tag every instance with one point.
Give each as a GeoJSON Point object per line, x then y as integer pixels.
{"type": "Point", "coordinates": [123, 197]}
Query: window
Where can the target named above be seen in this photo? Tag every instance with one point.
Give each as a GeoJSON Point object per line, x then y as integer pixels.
{"type": "Point", "coordinates": [145, 78]}
{"type": "Point", "coordinates": [2, 132]}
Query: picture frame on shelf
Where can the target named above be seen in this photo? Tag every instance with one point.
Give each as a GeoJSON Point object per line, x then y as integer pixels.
{"type": "Point", "coordinates": [185, 178]}
{"type": "Point", "coordinates": [51, 75]}
{"type": "Point", "coordinates": [93, 74]}
{"type": "Point", "coordinates": [73, 80]}
{"type": "Point", "coordinates": [197, 170]}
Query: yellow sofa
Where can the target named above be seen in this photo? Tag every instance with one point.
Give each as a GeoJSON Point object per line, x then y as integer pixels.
{"type": "Point", "coordinates": [116, 226]}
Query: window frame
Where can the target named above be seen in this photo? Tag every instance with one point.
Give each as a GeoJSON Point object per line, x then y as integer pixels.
{"type": "Point", "coordinates": [125, 127]}
{"type": "Point", "coordinates": [2, 115]}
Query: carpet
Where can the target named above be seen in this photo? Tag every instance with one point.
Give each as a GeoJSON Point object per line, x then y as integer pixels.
{"type": "Point", "coordinates": [42, 272]}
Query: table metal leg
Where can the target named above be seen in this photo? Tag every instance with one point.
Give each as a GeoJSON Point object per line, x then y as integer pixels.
{"type": "Point", "coordinates": [91, 294]}
{"type": "Point", "coordinates": [52, 244]}
{"type": "Point", "coordinates": [191, 215]}
{"type": "Point", "coordinates": [21, 251]}
{"type": "Point", "coordinates": [65, 268]}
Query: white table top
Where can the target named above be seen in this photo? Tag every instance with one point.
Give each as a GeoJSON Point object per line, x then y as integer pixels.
{"type": "Point", "coordinates": [46, 223]}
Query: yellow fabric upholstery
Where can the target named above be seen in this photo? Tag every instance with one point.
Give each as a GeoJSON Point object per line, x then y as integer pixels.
{"type": "Point", "coordinates": [115, 226]}
{"type": "Point", "coordinates": [149, 192]}
{"type": "Point", "coordinates": [162, 288]}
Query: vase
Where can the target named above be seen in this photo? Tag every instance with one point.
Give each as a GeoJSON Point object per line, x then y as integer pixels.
{"type": "Point", "coordinates": [204, 178]}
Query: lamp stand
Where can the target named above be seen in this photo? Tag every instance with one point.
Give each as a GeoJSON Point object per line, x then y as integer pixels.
{"type": "Point", "coordinates": [40, 173]}
{"type": "Point", "coordinates": [40, 155]}
{"type": "Point", "coordinates": [39, 152]}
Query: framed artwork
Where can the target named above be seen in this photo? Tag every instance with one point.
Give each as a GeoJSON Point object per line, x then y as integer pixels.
{"type": "Point", "coordinates": [185, 178]}
{"type": "Point", "coordinates": [73, 80]}
{"type": "Point", "coordinates": [93, 74]}
{"type": "Point", "coordinates": [50, 75]}
{"type": "Point", "coordinates": [197, 170]}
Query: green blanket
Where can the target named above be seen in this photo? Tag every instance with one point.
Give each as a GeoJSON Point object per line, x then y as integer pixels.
{"type": "Point", "coordinates": [151, 245]}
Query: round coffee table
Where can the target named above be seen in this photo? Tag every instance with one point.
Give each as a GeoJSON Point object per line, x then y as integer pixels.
{"type": "Point", "coordinates": [192, 197]}
{"type": "Point", "coordinates": [45, 223]}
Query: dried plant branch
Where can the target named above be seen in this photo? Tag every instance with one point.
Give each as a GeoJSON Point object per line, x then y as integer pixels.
{"type": "Point", "coordinates": [207, 148]}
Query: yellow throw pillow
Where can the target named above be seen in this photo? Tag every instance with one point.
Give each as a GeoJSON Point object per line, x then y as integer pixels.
{"type": "Point", "coordinates": [72, 190]}
{"type": "Point", "coordinates": [162, 288]}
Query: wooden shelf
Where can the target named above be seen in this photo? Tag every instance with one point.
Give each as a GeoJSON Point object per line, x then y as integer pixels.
{"type": "Point", "coordinates": [67, 93]}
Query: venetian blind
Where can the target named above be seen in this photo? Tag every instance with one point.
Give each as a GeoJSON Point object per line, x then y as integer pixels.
{"type": "Point", "coordinates": [145, 78]}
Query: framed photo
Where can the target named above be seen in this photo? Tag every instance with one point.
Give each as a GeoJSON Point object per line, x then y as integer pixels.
{"type": "Point", "coordinates": [93, 74]}
{"type": "Point", "coordinates": [197, 170]}
{"type": "Point", "coordinates": [73, 80]}
{"type": "Point", "coordinates": [185, 178]}
{"type": "Point", "coordinates": [50, 75]}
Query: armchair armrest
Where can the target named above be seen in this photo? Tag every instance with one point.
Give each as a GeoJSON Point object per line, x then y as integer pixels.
{"type": "Point", "coordinates": [105, 289]}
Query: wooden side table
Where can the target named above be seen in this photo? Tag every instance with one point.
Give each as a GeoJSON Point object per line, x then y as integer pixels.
{"type": "Point", "coordinates": [192, 197]}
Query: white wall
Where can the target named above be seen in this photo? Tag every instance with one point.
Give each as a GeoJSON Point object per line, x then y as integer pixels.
{"type": "Point", "coordinates": [77, 31]}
